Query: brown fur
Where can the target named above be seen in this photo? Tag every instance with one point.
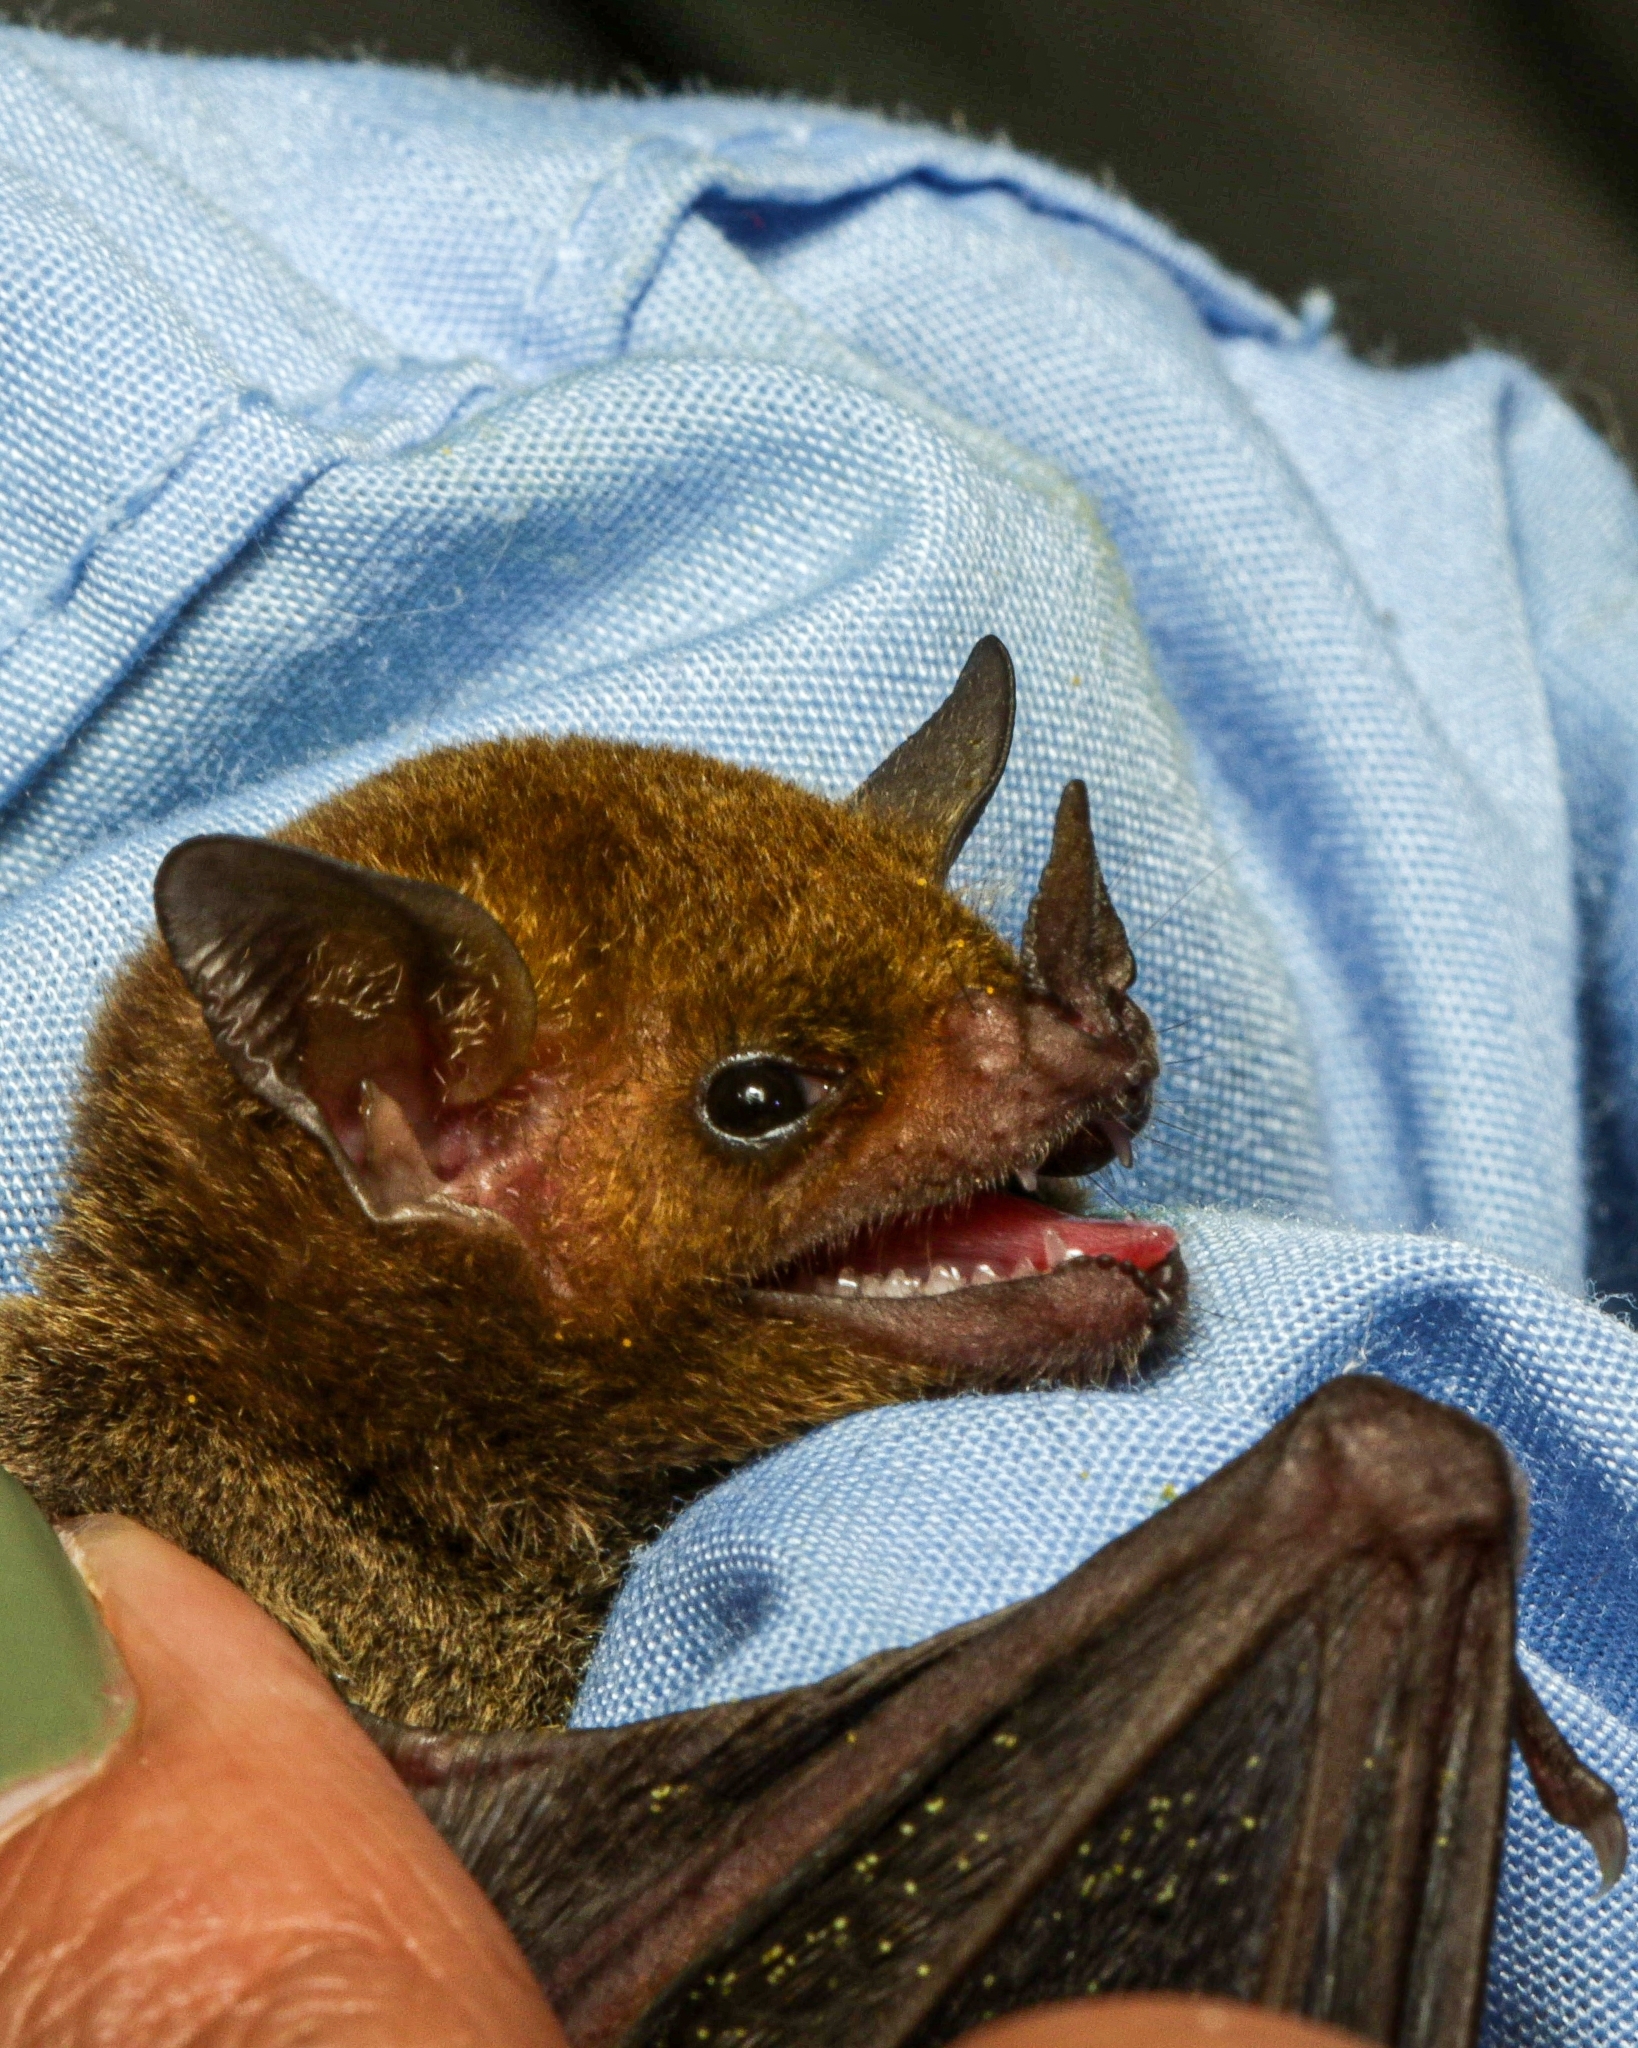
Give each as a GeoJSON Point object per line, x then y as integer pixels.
{"type": "Point", "coordinates": [430, 1450]}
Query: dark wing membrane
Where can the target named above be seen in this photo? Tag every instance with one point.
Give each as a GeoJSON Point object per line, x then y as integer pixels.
{"type": "Point", "coordinates": [1257, 1747]}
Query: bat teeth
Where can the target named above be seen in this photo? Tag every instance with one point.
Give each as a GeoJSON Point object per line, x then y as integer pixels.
{"type": "Point", "coordinates": [944, 1278]}
{"type": "Point", "coordinates": [1120, 1139]}
{"type": "Point", "coordinates": [898, 1285]}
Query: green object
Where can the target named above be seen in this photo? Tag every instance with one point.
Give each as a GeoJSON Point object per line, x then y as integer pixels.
{"type": "Point", "coordinates": [64, 1697]}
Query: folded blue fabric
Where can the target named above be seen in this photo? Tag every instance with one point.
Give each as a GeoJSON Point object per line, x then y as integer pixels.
{"type": "Point", "coordinates": [344, 412]}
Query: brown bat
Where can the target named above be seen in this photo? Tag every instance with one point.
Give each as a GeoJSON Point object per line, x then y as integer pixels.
{"type": "Point", "coordinates": [541, 1129]}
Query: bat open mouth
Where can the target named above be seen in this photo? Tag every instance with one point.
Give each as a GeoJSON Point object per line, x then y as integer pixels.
{"type": "Point", "coordinates": [1001, 1282]}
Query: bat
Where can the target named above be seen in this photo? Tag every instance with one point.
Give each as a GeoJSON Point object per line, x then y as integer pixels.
{"type": "Point", "coordinates": [1257, 1747]}
{"type": "Point", "coordinates": [471, 1174]}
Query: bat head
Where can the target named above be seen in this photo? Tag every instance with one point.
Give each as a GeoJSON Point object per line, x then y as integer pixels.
{"type": "Point", "coordinates": [520, 1139]}
{"type": "Point", "coordinates": [699, 1042]}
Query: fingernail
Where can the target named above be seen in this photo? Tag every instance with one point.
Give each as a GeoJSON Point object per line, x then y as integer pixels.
{"type": "Point", "coordinates": [64, 1697]}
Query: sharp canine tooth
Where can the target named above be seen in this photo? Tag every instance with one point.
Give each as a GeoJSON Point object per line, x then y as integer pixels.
{"type": "Point", "coordinates": [1027, 1178]}
{"type": "Point", "coordinates": [1026, 1269]}
{"type": "Point", "coordinates": [847, 1281]}
{"type": "Point", "coordinates": [1054, 1248]}
{"type": "Point", "coordinates": [986, 1276]}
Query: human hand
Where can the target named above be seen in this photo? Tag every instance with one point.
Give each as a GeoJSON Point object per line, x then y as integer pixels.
{"type": "Point", "coordinates": [200, 1849]}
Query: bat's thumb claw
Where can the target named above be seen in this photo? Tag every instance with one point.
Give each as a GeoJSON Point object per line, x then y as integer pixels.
{"type": "Point", "coordinates": [1608, 1836]}
{"type": "Point", "coordinates": [1575, 1796]}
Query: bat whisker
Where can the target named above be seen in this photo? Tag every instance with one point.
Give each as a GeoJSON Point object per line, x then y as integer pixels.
{"type": "Point", "coordinates": [1171, 909]}
{"type": "Point", "coordinates": [1134, 856]}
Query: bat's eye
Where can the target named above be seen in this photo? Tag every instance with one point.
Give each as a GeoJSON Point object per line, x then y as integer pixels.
{"type": "Point", "coordinates": [749, 1100]}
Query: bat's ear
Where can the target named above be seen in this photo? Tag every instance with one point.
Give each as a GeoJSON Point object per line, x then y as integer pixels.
{"type": "Point", "coordinates": [1074, 943]}
{"type": "Point", "coordinates": [938, 782]}
{"type": "Point", "coordinates": [360, 1004]}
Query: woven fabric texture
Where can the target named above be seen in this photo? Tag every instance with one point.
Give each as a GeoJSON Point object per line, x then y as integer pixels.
{"type": "Point", "coordinates": [345, 412]}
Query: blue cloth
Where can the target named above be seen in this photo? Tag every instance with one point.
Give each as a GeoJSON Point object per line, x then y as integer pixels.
{"type": "Point", "coordinates": [346, 411]}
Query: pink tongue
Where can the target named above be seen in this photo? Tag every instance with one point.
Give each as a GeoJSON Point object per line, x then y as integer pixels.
{"type": "Point", "coordinates": [1000, 1231]}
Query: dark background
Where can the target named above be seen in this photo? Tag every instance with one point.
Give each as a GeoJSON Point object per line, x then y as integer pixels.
{"type": "Point", "coordinates": [1452, 169]}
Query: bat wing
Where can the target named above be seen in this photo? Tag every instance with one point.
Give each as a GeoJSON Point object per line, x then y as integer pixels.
{"type": "Point", "coordinates": [1258, 1746]}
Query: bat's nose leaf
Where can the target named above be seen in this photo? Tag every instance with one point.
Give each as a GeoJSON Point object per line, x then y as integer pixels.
{"type": "Point", "coordinates": [937, 782]}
